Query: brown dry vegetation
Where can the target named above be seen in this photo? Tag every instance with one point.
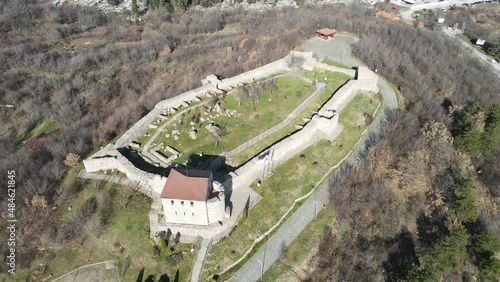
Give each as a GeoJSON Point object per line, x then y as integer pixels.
{"type": "Point", "coordinates": [96, 74]}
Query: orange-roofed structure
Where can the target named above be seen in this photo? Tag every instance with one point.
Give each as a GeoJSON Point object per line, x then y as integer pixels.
{"type": "Point", "coordinates": [326, 33]}
{"type": "Point", "coordinates": [189, 197]}
{"type": "Point", "coordinates": [386, 15]}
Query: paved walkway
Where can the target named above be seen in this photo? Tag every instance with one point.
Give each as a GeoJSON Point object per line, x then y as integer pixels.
{"type": "Point", "coordinates": [337, 49]}
{"type": "Point", "coordinates": [270, 252]}
{"type": "Point", "coordinates": [443, 4]}
{"type": "Point", "coordinates": [200, 259]}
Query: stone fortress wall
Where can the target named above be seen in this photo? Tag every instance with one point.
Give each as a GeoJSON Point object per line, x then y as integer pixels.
{"type": "Point", "coordinates": [109, 158]}
{"type": "Point", "coordinates": [323, 125]}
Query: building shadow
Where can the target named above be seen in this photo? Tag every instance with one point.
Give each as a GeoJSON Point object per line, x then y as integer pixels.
{"type": "Point", "coordinates": [215, 163]}
{"type": "Point", "coordinates": [227, 183]}
{"type": "Point", "coordinates": [138, 161]}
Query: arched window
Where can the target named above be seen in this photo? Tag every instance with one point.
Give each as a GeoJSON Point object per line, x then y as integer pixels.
{"type": "Point", "coordinates": [172, 202]}
{"type": "Point", "coordinates": [182, 203]}
{"type": "Point", "coordinates": [192, 204]}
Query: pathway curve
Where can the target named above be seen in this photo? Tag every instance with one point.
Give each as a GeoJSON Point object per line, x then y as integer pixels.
{"type": "Point", "coordinates": [271, 251]}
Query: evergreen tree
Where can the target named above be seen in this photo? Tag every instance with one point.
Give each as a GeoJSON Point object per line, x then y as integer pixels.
{"type": "Point", "coordinates": [468, 130]}
{"type": "Point", "coordinates": [465, 205]}
{"type": "Point", "coordinates": [135, 8]}
{"type": "Point", "coordinates": [491, 139]}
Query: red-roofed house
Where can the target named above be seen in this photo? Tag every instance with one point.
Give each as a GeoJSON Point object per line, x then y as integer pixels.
{"type": "Point", "coordinates": [189, 197]}
{"type": "Point", "coordinates": [386, 15]}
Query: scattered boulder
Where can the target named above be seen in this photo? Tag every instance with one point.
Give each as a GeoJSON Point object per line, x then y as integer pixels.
{"type": "Point", "coordinates": [167, 50]}
{"type": "Point", "coordinates": [193, 134]}
{"type": "Point", "coordinates": [214, 129]}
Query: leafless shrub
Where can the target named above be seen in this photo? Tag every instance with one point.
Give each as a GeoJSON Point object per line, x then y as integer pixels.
{"type": "Point", "coordinates": [71, 159]}
{"type": "Point", "coordinates": [294, 61]}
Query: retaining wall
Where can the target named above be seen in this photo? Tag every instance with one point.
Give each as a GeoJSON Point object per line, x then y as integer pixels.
{"type": "Point", "coordinates": [112, 159]}
{"type": "Point", "coordinates": [323, 125]}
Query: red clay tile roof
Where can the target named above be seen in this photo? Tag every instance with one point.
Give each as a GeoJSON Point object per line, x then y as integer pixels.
{"type": "Point", "coordinates": [190, 185]}
{"type": "Point", "coordinates": [326, 31]}
{"type": "Point", "coordinates": [34, 143]}
{"type": "Point", "coordinates": [387, 15]}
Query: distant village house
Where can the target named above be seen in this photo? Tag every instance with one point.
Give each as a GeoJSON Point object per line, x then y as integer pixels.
{"type": "Point", "coordinates": [387, 15]}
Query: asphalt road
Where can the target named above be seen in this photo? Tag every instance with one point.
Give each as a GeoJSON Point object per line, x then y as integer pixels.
{"type": "Point", "coordinates": [471, 50]}
{"type": "Point", "coordinates": [444, 4]}
{"type": "Point", "coordinates": [271, 251]}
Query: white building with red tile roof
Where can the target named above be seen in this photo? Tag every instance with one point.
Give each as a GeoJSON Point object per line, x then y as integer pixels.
{"type": "Point", "coordinates": [189, 197]}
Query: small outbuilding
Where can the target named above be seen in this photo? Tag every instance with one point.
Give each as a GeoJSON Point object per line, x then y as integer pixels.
{"type": "Point", "coordinates": [326, 33]}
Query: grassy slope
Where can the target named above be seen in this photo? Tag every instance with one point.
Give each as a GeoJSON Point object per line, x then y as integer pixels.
{"type": "Point", "coordinates": [129, 226]}
{"type": "Point", "coordinates": [294, 263]}
{"type": "Point", "coordinates": [44, 126]}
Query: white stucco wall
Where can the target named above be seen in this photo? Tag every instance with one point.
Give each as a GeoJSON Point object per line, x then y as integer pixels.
{"type": "Point", "coordinates": [216, 207]}
{"type": "Point", "coordinates": [199, 213]}
{"type": "Point", "coordinates": [185, 214]}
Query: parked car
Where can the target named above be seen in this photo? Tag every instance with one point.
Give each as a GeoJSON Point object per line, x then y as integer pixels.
{"type": "Point", "coordinates": [492, 61]}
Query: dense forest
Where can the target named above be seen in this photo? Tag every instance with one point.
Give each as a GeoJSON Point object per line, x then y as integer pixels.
{"type": "Point", "coordinates": [95, 74]}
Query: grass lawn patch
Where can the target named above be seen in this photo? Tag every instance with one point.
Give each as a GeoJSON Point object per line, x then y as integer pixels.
{"type": "Point", "coordinates": [289, 181]}
{"type": "Point", "coordinates": [253, 118]}
{"type": "Point", "coordinates": [335, 80]}
{"type": "Point", "coordinates": [43, 126]}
